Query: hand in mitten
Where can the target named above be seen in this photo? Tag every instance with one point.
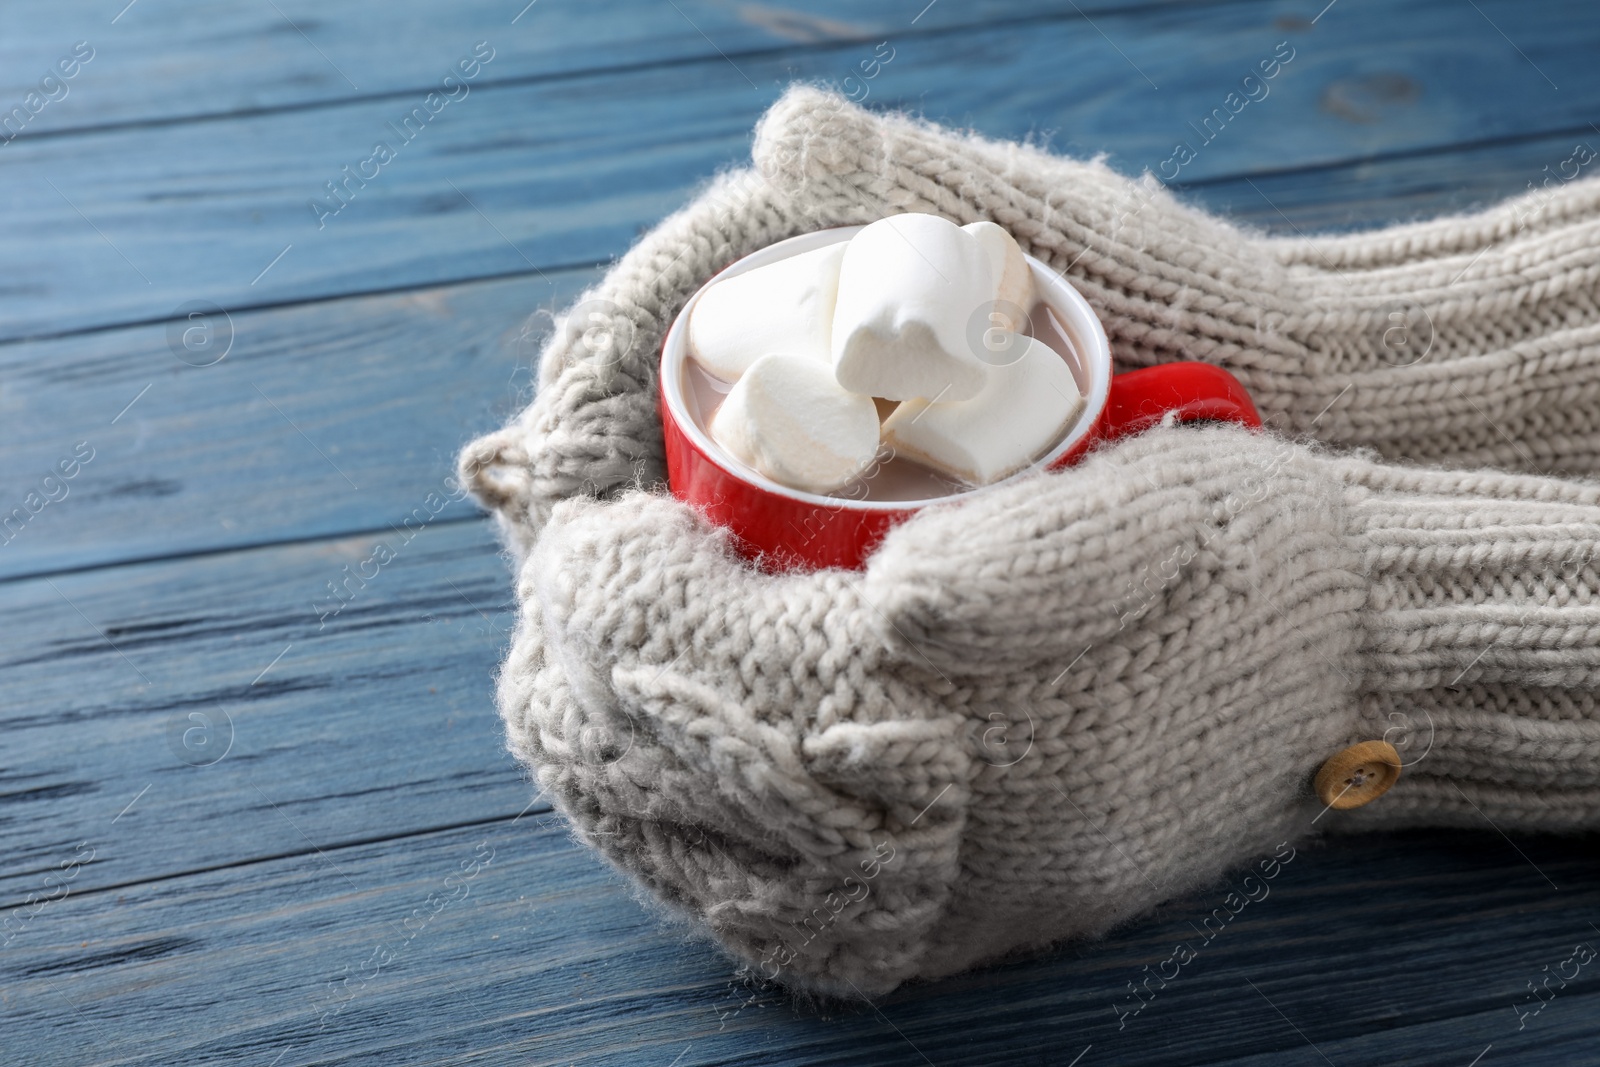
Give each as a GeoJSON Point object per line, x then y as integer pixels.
{"type": "Point", "coordinates": [1472, 340]}
{"type": "Point", "coordinates": [1044, 708]}
{"type": "Point", "coordinates": [593, 428]}
{"type": "Point", "coordinates": [1494, 357]}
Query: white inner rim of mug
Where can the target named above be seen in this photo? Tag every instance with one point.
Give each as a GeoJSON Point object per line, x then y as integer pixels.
{"type": "Point", "coordinates": [1076, 318]}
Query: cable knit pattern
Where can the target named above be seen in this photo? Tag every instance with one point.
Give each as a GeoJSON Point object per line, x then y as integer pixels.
{"type": "Point", "coordinates": [1041, 710]}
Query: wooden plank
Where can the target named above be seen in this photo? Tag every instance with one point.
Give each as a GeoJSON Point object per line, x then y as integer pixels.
{"type": "Point", "coordinates": [239, 707]}
{"type": "Point", "coordinates": [220, 211]}
{"type": "Point", "coordinates": [508, 943]}
{"type": "Point", "coordinates": [158, 63]}
{"type": "Point", "coordinates": [389, 386]}
{"type": "Point", "coordinates": [1373, 192]}
{"type": "Point", "coordinates": [322, 420]}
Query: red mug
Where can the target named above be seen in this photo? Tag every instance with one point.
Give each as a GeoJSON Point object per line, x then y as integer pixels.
{"type": "Point", "coordinates": [788, 529]}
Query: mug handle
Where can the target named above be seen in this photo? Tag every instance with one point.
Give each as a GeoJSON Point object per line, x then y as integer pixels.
{"type": "Point", "coordinates": [1194, 392]}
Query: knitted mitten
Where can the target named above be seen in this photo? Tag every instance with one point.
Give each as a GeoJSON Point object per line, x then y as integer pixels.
{"type": "Point", "coordinates": [1041, 710]}
{"type": "Point", "coordinates": [1045, 708]}
{"type": "Point", "coordinates": [593, 427]}
{"type": "Point", "coordinates": [1468, 341]}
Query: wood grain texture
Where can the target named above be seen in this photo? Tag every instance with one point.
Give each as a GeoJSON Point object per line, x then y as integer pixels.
{"type": "Point", "coordinates": [321, 420]}
{"type": "Point", "coordinates": [130, 224]}
{"type": "Point", "coordinates": [243, 711]}
{"type": "Point", "coordinates": [158, 63]}
{"type": "Point", "coordinates": [1375, 192]}
{"type": "Point", "coordinates": [509, 944]}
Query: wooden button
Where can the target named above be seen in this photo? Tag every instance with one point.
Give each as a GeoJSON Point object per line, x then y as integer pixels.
{"type": "Point", "coordinates": [1359, 775]}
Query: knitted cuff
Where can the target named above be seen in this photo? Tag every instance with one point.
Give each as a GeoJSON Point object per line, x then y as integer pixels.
{"type": "Point", "coordinates": [1481, 654]}
{"type": "Point", "coordinates": [1471, 340]}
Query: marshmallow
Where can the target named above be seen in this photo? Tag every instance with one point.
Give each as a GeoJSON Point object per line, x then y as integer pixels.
{"type": "Point", "coordinates": [784, 307]}
{"type": "Point", "coordinates": [1013, 277]}
{"type": "Point", "coordinates": [909, 287]}
{"type": "Point", "coordinates": [789, 419]}
{"type": "Point", "coordinates": [1020, 412]}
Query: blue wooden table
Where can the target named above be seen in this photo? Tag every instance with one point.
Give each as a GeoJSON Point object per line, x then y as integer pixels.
{"type": "Point", "coordinates": [256, 811]}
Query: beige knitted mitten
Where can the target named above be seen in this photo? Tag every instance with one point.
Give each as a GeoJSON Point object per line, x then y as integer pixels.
{"type": "Point", "coordinates": [1468, 341]}
{"type": "Point", "coordinates": [593, 428]}
{"type": "Point", "coordinates": [1045, 709]}
{"type": "Point", "coordinates": [1042, 710]}
{"type": "Point", "coordinates": [1494, 358]}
